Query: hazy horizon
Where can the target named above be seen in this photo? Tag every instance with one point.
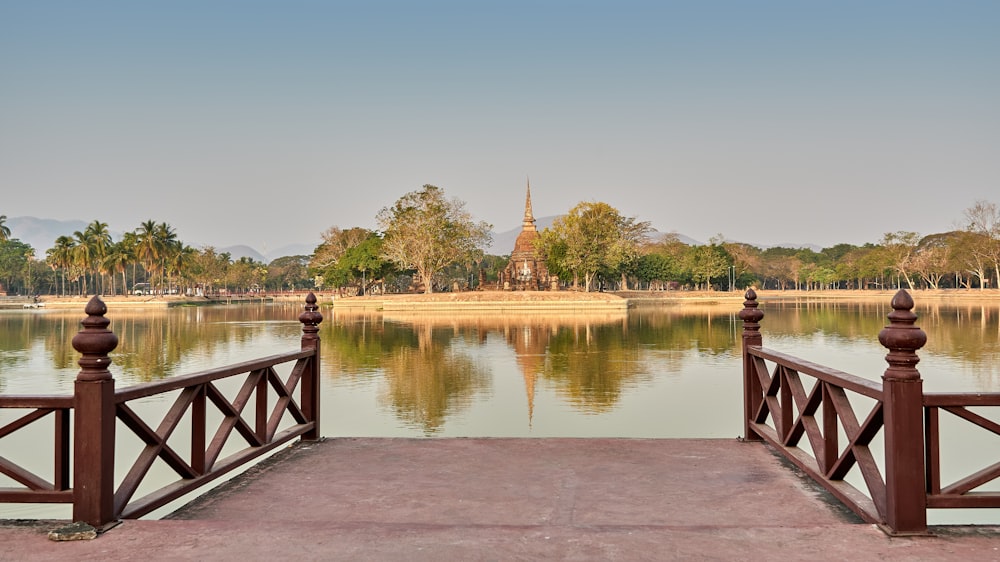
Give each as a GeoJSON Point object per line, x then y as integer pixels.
{"type": "Point", "coordinates": [265, 123]}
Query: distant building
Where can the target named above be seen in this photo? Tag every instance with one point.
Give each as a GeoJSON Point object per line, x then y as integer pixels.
{"type": "Point", "coordinates": [526, 270]}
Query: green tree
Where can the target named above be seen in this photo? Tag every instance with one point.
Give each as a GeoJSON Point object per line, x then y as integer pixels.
{"type": "Point", "coordinates": [425, 232]}
{"type": "Point", "coordinates": [14, 259]}
{"type": "Point", "coordinates": [118, 259]}
{"type": "Point", "coordinates": [60, 256]}
{"type": "Point", "coordinates": [288, 272]}
{"type": "Point", "coordinates": [591, 238]}
{"type": "Point", "coordinates": [99, 240]}
{"type": "Point", "coordinates": [4, 229]}
{"type": "Point", "coordinates": [707, 262]}
{"type": "Point", "coordinates": [656, 269]}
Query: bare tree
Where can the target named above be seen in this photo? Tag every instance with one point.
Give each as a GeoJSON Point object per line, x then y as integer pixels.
{"type": "Point", "coordinates": [983, 219]}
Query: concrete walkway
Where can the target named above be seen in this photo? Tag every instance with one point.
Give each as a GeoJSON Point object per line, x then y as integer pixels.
{"type": "Point", "coordinates": [509, 499]}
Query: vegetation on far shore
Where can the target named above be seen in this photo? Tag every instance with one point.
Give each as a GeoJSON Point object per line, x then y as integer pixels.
{"type": "Point", "coordinates": [429, 243]}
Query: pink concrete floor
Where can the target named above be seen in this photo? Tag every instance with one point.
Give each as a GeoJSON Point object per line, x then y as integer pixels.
{"type": "Point", "coordinates": [509, 499]}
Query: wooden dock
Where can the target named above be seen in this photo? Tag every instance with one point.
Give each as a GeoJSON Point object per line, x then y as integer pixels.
{"type": "Point", "coordinates": [510, 499]}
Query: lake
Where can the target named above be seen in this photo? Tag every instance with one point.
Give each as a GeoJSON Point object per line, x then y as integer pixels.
{"type": "Point", "coordinates": [653, 372]}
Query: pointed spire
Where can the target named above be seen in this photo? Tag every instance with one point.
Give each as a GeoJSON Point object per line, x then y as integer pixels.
{"type": "Point", "coordinates": [529, 218]}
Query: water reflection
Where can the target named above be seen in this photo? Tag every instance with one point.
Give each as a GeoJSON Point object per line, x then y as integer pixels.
{"type": "Point", "coordinates": [962, 352]}
{"type": "Point", "coordinates": [511, 374]}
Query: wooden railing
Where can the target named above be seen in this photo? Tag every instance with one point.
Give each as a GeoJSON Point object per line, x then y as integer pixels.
{"type": "Point", "coordinates": [964, 492]}
{"type": "Point", "coordinates": [780, 410]}
{"type": "Point", "coordinates": [36, 489]}
{"type": "Point", "coordinates": [96, 405]}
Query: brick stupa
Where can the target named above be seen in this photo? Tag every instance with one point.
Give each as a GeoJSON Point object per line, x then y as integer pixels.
{"type": "Point", "coordinates": [526, 270]}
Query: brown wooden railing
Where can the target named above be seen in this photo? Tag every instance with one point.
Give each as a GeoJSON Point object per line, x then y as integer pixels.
{"type": "Point", "coordinates": [36, 489]}
{"type": "Point", "coordinates": [780, 410]}
{"type": "Point", "coordinates": [96, 405]}
{"type": "Point", "coordinates": [964, 492]}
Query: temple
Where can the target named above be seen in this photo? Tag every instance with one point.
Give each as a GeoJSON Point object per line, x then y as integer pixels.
{"type": "Point", "coordinates": [526, 270]}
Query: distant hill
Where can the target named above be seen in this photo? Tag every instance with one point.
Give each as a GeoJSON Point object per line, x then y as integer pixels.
{"type": "Point", "coordinates": [241, 251]}
{"type": "Point", "coordinates": [41, 235]}
{"type": "Point", "coordinates": [503, 242]}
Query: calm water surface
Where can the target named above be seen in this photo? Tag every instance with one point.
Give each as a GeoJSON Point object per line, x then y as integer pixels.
{"type": "Point", "coordinates": [666, 371]}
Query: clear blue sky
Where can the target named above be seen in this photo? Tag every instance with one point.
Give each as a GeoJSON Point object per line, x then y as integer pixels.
{"type": "Point", "coordinates": [264, 123]}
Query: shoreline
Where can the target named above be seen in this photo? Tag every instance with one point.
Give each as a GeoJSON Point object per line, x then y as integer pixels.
{"type": "Point", "coordinates": [499, 301]}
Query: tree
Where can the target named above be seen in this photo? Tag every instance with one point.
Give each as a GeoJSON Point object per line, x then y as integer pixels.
{"type": "Point", "coordinates": [591, 238]}
{"type": "Point", "coordinates": [99, 241]}
{"type": "Point", "coordinates": [288, 272]}
{"type": "Point", "coordinates": [425, 232]}
{"type": "Point", "coordinates": [14, 260]}
{"type": "Point", "coordinates": [707, 262]}
{"type": "Point", "coordinates": [901, 248]}
{"type": "Point", "coordinates": [983, 219]}
{"type": "Point", "coordinates": [655, 268]}
{"type": "Point", "coordinates": [346, 256]}
{"type": "Point", "coordinates": [60, 256]}
{"type": "Point", "coordinates": [4, 229]}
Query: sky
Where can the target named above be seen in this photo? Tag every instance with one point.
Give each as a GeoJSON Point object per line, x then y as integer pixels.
{"type": "Point", "coordinates": [266, 122]}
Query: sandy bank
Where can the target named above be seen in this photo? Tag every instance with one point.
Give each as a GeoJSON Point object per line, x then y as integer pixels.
{"type": "Point", "coordinates": [540, 300]}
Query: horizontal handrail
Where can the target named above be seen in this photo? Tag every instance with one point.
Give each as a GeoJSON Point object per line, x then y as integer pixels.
{"type": "Point", "coordinates": [153, 388]}
{"type": "Point", "coordinates": [847, 381]}
{"type": "Point", "coordinates": [53, 401]}
{"type": "Point", "coordinates": [945, 399]}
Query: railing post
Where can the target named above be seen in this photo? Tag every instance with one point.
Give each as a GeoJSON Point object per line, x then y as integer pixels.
{"type": "Point", "coordinates": [902, 395]}
{"type": "Point", "coordinates": [752, 390]}
{"type": "Point", "coordinates": [310, 319]}
{"type": "Point", "coordinates": [94, 420]}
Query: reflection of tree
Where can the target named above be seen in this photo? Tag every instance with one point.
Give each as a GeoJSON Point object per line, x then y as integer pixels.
{"type": "Point", "coordinates": [591, 365]}
{"type": "Point", "coordinates": [966, 333]}
{"type": "Point", "coordinates": [355, 343]}
{"type": "Point", "coordinates": [153, 342]}
{"type": "Point", "coordinates": [429, 381]}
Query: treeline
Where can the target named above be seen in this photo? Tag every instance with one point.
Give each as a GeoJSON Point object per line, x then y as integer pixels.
{"type": "Point", "coordinates": [434, 247]}
{"type": "Point", "coordinates": [427, 242]}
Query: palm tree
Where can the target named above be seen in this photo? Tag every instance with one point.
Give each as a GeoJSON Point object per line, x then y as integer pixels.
{"type": "Point", "coordinates": [129, 245]}
{"type": "Point", "coordinates": [166, 239]}
{"type": "Point", "coordinates": [99, 239]}
{"type": "Point", "coordinates": [4, 229]}
{"type": "Point", "coordinates": [147, 249]}
{"type": "Point", "coordinates": [181, 259]}
{"type": "Point", "coordinates": [117, 261]}
{"type": "Point", "coordinates": [60, 256]}
{"type": "Point", "coordinates": [83, 257]}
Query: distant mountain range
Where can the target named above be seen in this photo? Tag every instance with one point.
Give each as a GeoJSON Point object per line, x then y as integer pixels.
{"type": "Point", "coordinates": [41, 233]}
{"type": "Point", "coordinates": [503, 242]}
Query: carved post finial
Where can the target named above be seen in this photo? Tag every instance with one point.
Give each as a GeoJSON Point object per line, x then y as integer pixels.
{"type": "Point", "coordinates": [751, 315]}
{"type": "Point", "coordinates": [902, 338]}
{"type": "Point", "coordinates": [310, 319]}
{"type": "Point", "coordinates": [94, 342]}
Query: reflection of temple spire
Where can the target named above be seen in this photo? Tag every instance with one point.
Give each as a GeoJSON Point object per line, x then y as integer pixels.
{"type": "Point", "coordinates": [529, 218]}
{"type": "Point", "coordinates": [529, 387]}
